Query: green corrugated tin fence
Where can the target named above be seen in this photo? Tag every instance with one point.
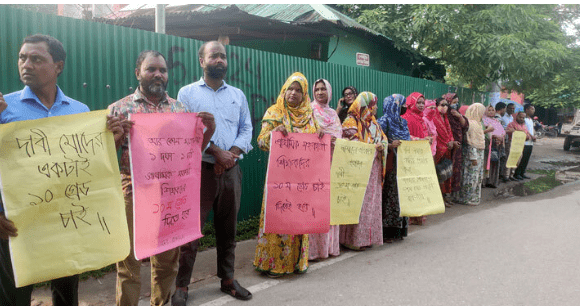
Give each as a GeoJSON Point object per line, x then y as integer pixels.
{"type": "Point", "coordinates": [100, 66]}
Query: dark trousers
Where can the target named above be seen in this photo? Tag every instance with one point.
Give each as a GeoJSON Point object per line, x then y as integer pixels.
{"type": "Point", "coordinates": [521, 169]}
{"type": "Point", "coordinates": [222, 194]}
{"type": "Point", "coordinates": [64, 290]}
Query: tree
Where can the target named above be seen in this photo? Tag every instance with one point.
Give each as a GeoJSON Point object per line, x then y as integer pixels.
{"type": "Point", "coordinates": [519, 45]}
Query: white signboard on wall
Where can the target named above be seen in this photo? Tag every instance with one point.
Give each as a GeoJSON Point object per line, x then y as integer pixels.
{"type": "Point", "coordinates": [362, 59]}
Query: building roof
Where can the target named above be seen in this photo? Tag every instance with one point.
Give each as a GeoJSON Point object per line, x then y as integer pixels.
{"type": "Point", "coordinates": [241, 21]}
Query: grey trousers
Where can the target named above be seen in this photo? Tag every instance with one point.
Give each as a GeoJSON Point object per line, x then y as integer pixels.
{"type": "Point", "coordinates": [222, 194]}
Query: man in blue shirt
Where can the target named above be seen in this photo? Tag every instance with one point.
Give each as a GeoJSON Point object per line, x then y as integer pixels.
{"type": "Point", "coordinates": [40, 62]}
{"type": "Point", "coordinates": [221, 177]}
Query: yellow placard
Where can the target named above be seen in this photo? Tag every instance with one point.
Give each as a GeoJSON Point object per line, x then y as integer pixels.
{"type": "Point", "coordinates": [62, 189]}
{"type": "Point", "coordinates": [419, 191]}
{"type": "Point", "coordinates": [516, 149]}
{"type": "Point", "coordinates": [349, 176]}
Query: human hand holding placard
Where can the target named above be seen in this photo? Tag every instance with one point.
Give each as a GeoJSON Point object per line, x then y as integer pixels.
{"type": "Point", "coordinates": [298, 184]}
{"type": "Point", "coordinates": [70, 212]}
{"type": "Point", "coordinates": [419, 191]}
{"type": "Point", "coordinates": [165, 151]}
{"type": "Point", "coordinates": [350, 173]}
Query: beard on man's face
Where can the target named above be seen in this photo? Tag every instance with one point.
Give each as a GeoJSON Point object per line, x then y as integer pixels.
{"type": "Point", "coordinates": [155, 89]}
{"type": "Point", "coordinates": [216, 72]}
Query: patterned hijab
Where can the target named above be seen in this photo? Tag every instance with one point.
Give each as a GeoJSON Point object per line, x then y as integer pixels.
{"type": "Point", "coordinates": [293, 118]}
{"type": "Point", "coordinates": [474, 114]}
{"type": "Point", "coordinates": [450, 96]}
{"type": "Point", "coordinates": [454, 122]}
{"type": "Point", "coordinates": [360, 117]}
{"type": "Point", "coordinates": [326, 116]}
{"type": "Point", "coordinates": [391, 122]}
{"type": "Point", "coordinates": [498, 129]}
{"type": "Point", "coordinates": [414, 116]}
{"type": "Point", "coordinates": [428, 112]}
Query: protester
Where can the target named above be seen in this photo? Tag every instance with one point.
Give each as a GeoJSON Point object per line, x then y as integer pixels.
{"type": "Point", "coordinates": [508, 117]}
{"type": "Point", "coordinates": [396, 128]}
{"type": "Point", "coordinates": [325, 244]}
{"type": "Point", "coordinates": [428, 116]}
{"type": "Point", "coordinates": [520, 172]}
{"type": "Point", "coordinates": [500, 110]}
{"type": "Point", "coordinates": [414, 116]}
{"type": "Point", "coordinates": [150, 97]}
{"type": "Point", "coordinates": [40, 61]}
{"type": "Point", "coordinates": [496, 141]}
{"type": "Point", "coordinates": [277, 255]}
{"type": "Point", "coordinates": [445, 145]}
{"type": "Point", "coordinates": [459, 126]}
{"type": "Point", "coordinates": [518, 124]}
{"type": "Point", "coordinates": [221, 176]}
{"type": "Point", "coordinates": [417, 128]}
{"type": "Point", "coordinates": [349, 93]}
{"type": "Point", "coordinates": [361, 125]}
{"type": "Point", "coordinates": [470, 193]}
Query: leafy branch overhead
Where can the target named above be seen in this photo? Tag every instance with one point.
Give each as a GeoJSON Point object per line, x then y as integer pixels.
{"type": "Point", "coordinates": [523, 46]}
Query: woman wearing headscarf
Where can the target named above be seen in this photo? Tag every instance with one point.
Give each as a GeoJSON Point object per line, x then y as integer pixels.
{"type": "Point", "coordinates": [349, 93]}
{"type": "Point", "coordinates": [277, 255]}
{"type": "Point", "coordinates": [470, 193]}
{"type": "Point", "coordinates": [396, 129]}
{"type": "Point", "coordinates": [496, 141]}
{"type": "Point", "coordinates": [445, 142]}
{"type": "Point", "coordinates": [428, 116]}
{"type": "Point", "coordinates": [459, 125]}
{"type": "Point", "coordinates": [361, 125]}
{"type": "Point", "coordinates": [414, 116]}
{"type": "Point", "coordinates": [417, 128]}
{"type": "Point", "coordinates": [325, 244]}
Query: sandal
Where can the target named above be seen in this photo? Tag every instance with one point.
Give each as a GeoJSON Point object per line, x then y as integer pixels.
{"type": "Point", "coordinates": [235, 290]}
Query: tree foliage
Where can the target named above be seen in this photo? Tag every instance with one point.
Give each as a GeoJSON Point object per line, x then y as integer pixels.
{"type": "Point", "coordinates": [523, 46]}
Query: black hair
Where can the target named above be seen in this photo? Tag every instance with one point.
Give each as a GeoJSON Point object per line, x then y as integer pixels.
{"type": "Point", "coordinates": [144, 54]}
{"type": "Point", "coordinates": [55, 47]}
{"type": "Point", "coordinates": [500, 106]}
{"type": "Point", "coordinates": [526, 106]}
{"type": "Point", "coordinates": [351, 88]}
{"type": "Point", "coordinates": [438, 101]}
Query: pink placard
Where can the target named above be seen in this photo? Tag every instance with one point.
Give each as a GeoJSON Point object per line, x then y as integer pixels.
{"type": "Point", "coordinates": [165, 152]}
{"type": "Point", "coordinates": [298, 184]}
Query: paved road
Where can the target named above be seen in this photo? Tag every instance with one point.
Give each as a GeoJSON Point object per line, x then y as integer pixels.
{"type": "Point", "coordinates": [519, 253]}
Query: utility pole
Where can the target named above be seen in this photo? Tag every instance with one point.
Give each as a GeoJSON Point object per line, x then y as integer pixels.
{"type": "Point", "coordinates": [160, 18]}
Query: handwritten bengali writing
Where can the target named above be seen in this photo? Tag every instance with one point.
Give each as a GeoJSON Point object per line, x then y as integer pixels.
{"type": "Point", "coordinates": [357, 150]}
{"type": "Point", "coordinates": [350, 172]}
{"type": "Point", "coordinates": [298, 188]}
{"type": "Point", "coordinates": [82, 146]}
{"type": "Point", "coordinates": [173, 141]}
{"type": "Point", "coordinates": [168, 157]}
{"type": "Point", "coordinates": [60, 184]}
{"type": "Point", "coordinates": [78, 143]}
{"type": "Point", "coordinates": [287, 206]}
{"type": "Point", "coordinates": [293, 163]}
{"type": "Point", "coordinates": [291, 143]}
{"type": "Point", "coordinates": [167, 182]}
{"type": "Point", "coordinates": [419, 192]}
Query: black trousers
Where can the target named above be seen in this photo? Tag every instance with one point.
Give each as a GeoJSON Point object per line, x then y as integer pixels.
{"type": "Point", "coordinates": [521, 169]}
{"type": "Point", "coordinates": [64, 290]}
{"type": "Point", "coordinates": [222, 194]}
